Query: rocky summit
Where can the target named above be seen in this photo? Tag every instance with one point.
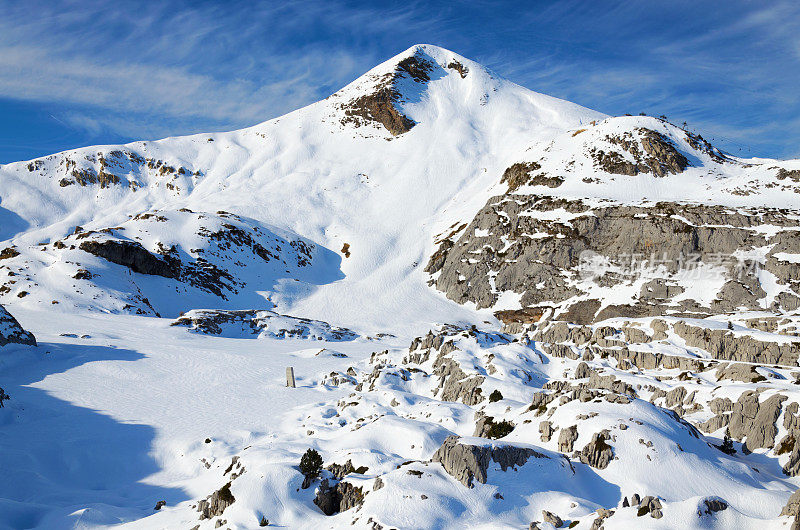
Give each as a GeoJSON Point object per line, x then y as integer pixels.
{"type": "Point", "coordinates": [434, 299]}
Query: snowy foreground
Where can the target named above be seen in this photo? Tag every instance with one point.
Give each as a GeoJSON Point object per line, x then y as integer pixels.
{"type": "Point", "coordinates": [444, 259]}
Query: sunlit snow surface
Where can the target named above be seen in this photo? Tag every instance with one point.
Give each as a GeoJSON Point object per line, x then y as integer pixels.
{"type": "Point", "coordinates": [111, 412]}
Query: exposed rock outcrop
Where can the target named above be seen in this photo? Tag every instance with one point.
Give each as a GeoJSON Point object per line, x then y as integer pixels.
{"type": "Point", "coordinates": [466, 462]}
{"type": "Point", "coordinates": [725, 345]}
{"type": "Point", "coordinates": [792, 509]}
{"type": "Point", "coordinates": [566, 440]}
{"type": "Point", "coordinates": [712, 505]}
{"type": "Point", "coordinates": [455, 384]}
{"type": "Point", "coordinates": [551, 518]}
{"type": "Point", "coordinates": [132, 255]}
{"type": "Point", "coordinates": [11, 332]}
{"type": "Point", "coordinates": [532, 245]}
{"type": "Point", "coordinates": [332, 499]}
{"type": "Point", "coordinates": [646, 151]}
{"type": "Point", "coordinates": [234, 323]}
{"type": "Point", "coordinates": [216, 503]}
{"type": "Point", "coordinates": [746, 373]}
{"type": "Point", "coordinates": [381, 105]}
{"type": "Point", "coordinates": [546, 430]}
{"type": "Point", "coordinates": [755, 421]}
{"type": "Point", "coordinates": [598, 453]}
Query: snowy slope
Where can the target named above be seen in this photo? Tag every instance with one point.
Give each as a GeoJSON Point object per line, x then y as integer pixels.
{"type": "Point", "coordinates": [333, 183]}
{"type": "Point", "coordinates": [170, 283]}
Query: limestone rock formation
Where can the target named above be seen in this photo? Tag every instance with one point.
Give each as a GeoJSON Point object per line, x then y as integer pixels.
{"type": "Point", "coordinates": [381, 105]}
{"type": "Point", "coordinates": [466, 462]}
{"type": "Point", "coordinates": [497, 252]}
{"type": "Point", "coordinates": [792, 509]}
{"type": "Point", "coordinates": [11, 332]}
{"type": "Point", "coordinates": [216, 503]}
{"type": "Point", "coordinates": [566, 439]}
{"type": "Point", "coordinates": [598, 453]}
{"type": "Point", "coordinates": [754, 420]}
{"type": "Point", "coordinates": [337, 498]}
{"type": "Point", "coordinates": [235, 323]}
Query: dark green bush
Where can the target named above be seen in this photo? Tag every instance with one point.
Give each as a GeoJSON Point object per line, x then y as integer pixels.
{"type": "Point", "coordinates": [500, 429]}
{"type": "Point", "coordinates": [311, 464]}
{"type": "Point", "coordinates": [495, 396]}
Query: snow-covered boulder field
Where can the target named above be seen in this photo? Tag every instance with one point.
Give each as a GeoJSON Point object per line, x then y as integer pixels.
{"type": "Point", "coordinates": [435, 299]}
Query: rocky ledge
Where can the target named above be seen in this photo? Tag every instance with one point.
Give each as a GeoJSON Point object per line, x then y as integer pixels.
{"type": "Point", "coordinates": [11, 332]}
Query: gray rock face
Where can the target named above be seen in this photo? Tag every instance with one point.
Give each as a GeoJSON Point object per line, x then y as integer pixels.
{"type": "Point", "coordinates": [260, 322]}
{"type": "Point", "coordinates": [645, 505]}
{"type": "Point", "coordinates": [583, 371]}
{"type": "Point", "coordinates": [455, 384]}
{"type": "Point", "coordinates": [553, 519]}
{"type": "Point", "coordinates": [792, 509]}
{"type": "Point", "coordinates": [720, 405]}
{"type": "Point", "coordinates": [11, 332]}
{"type": "Point", "coordinates": [602, 515]}
{"type": "Point", "coordinates": [713, 505]}
{"type": "Point", "coordinates": [216, 503]}
{"type": "Point", "coordinates": [339, 471]}
{"type": "Point", "coordinates": [327, 499]}
{"type": "Point", "coordinates": [350, 496]}
{"type": "Point", "coordinates": [675, 396]}
{"type": "Point", "coordinates": [598, 453]}
{"type": "Point", "coordinates": [132, 255]}
{"type": "Point", "coordinates": [538, 267]}
{"type": "Point", "coordinates": [755, 420]}
{"type": "Point", "coordinates": [337, 498]}
{"type": "Point", "coordinates": [546, 430]}
{"type": "Point", "coordinates": [467, 462]}
{"type": "Point", "coordinates": [651, 151]}
{"type": "Point", "coordinates": [725, 345]}
{"type": "Point", "coordinates": [792, 505]}
{"type": "Point", "coordinates": [714, 423]}
{"type": "Point", "coordinates": [791, 442]}
{"type": "Point", "coordinates": [745, 373]}
{"type": "Point", "coordinates": [721, 344]}
{"type": "Point", "coordinates": [566, 440]}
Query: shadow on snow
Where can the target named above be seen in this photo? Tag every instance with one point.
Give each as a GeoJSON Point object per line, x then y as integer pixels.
{"type": "Point", "coordinates": [65, 465]}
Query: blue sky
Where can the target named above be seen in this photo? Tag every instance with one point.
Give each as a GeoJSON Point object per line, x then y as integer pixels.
{"type": "Point", "coordinates": [76, 73]}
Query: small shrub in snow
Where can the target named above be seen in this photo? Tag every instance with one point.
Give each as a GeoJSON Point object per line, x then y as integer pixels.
{"type": "Point", "coordinates": [727, 445]}
{"type": "Point", "coordinates": [500, 429]}
{"type": "Point", "coordinates": [311, 464]}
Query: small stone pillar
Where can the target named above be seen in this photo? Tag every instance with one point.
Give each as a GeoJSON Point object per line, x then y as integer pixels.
{"type": "Point", "coordinates": [290, 377]}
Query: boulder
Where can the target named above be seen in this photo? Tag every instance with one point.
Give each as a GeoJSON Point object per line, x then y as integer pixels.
{"type": "Point", "coordinates": [553, 519]}
{"type": "Point", "coordinates": [337, 498]}
{"type": "Point", "coordinates": [755, 421]}
{"type": "Point", "coordinates": [546, 430]}
{"type": "Point", "coordinates": [216, 503]}
{"type": "Point", "coordinates": [712, 505]}
{"type": "Point", "coordinates": [598, 453]}
{"type": "Point", "coordinates": [466, 462]}
{"type": "Point", "coordinates": [566, 440]}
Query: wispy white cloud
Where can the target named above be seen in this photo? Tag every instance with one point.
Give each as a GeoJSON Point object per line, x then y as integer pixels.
{"type": "Point", "coordinates": [175, 67]}
{"type": "Point", "coordinates": [182, 66]}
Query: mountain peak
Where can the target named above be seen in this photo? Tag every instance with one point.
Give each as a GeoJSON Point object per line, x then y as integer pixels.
{"type": "Point", "coordinates": [431, 51]}
{"type": "Point", "coordinates": [378, 97]}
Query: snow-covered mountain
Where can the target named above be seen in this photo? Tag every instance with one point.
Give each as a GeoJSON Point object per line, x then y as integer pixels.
{"type": "Point", "coordinates": [607, 299]}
